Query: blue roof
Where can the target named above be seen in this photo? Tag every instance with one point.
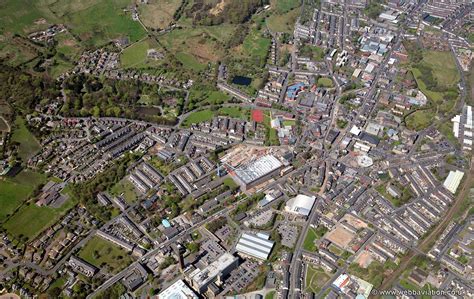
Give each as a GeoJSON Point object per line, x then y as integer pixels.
{"type": "Point", "coordinates": [166, 223]}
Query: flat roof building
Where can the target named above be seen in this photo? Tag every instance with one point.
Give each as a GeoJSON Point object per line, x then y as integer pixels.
{"type": "Point", "coordinates": [453, 180]}
{"type": "Point", "coordinates": [219, 268]}
{"type": "Point", "coordinates": [257, 172]}
{"type": "Point", "coordinates": [301, 204]}
{"type": "Point", "coordinates": [178, 290]}
{"type": "Point", "coordinates": [256, 246]}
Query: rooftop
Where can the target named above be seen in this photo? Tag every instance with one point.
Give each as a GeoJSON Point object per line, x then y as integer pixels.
{"type": "Point", "coordinates": [257, 246]}
{"type": "Point", "coordinates": [262, 166]}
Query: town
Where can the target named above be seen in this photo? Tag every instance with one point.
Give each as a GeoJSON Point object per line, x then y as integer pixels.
{"type": "Point", "coordinates": [346, 171]}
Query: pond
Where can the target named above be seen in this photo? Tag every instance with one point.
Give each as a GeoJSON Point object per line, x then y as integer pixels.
{"type": "Point", "coordinates": [240, 80]}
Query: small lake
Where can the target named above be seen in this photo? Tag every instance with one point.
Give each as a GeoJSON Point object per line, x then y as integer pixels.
{"type": "Point", "coordinates": [240, 80]}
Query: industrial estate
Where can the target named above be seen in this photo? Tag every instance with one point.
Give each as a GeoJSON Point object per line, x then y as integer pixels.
{"type": "Point", "coordinates": [236, 149]}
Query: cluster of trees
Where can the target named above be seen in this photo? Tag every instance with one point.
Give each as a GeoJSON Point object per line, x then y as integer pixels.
{"type": "Point", "coordinates": [374, 9]}
{"type": "Point", "coordinates": [234, 12]}
{"type": "Point", "coordinates": [24, 90]}
{"type": "Point", "coordinates": [216, 224]}
{"type": "Point", "coordinates": [87, 192]}
{"type": "Point", "coordinates": [92, 96]}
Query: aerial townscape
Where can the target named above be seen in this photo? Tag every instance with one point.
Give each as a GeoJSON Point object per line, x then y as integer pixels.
{"type": "Point", "coordinates": [250, 149]}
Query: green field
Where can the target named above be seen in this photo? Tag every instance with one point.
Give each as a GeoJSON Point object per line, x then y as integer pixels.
{"type": "Point", "coordinates": [256, 46]}
{"type": "Point", "coordinates": [442, 101]}
{"type": "Point", "coordinates": [444, 67]}
{"type": "Point", "coordinates": [282, 6]}
{"type": "Point", "coordinates": [315, 279]}
{"type": "Point", "coordinates": [16, 190]}
{"type": "Point", "coordinates": [207, 115]}
{"type": "Point", "coordinates": [19, 16]}
{"type": "Point", "coordinates": [198, 117]}
{"type": "Point", "coordinates": [195, 47]}
{"type": "Point", "coordinates": [420, 119]}
{"type": "Point", "coordinates": [234, 112]}
{"type": "Point", "coordinates": [28, 143]}
{"type": "Point", "coordinates": [100, 252]}
{"type": "Point", "coordinates": [311, 236]}
{"type": "Point", "coordinates": [31, 220]}
{"type": "Point", "coordinates": [126, 188]}
{"type": "Point", "coordinates": [135, 56]}
{"type": "Point", "coordinates": [325, 82]}
{"type": "Point", "coordinates": [104, 21]}
{"type": "Point", "coordinates": [270, 295]}
{"type": "Point", "coordinates": [283, 22]}
{"type": "Point", "coordinates": [158, 14]}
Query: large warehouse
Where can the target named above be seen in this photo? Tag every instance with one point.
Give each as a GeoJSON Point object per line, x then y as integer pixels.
{"type": "Point", "coordinates": [257, 246]}
{"type": "Point", "coordinates": [453, 180]}
{"type": "Point", "coordinates": [257, 172]}
{"type": "Point", "coordinates": [301, 205]}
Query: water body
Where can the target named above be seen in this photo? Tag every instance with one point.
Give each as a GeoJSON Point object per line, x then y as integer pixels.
{"type": "Point", "coordinates": [240, 80]}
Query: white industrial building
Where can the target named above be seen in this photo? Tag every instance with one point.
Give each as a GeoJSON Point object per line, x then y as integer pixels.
{"type": "Point", "coordinates": [178, 290]}
{"type": "Point", "coordinates": [257, 246]}
{"type": "Point", "coordinates": [301, 204]}
{"type": "Point", "coordinates": [219, 268]}
{"type": "Point", "coordinates": [463, 127]}
{"type": "Point", "coordinates": [453, 180]}
{"type": "Point", "coordinates": [257, 172]}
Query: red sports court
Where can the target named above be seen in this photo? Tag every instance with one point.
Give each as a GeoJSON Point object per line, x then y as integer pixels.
{"type": "Point", "coordinates": [257, 116]}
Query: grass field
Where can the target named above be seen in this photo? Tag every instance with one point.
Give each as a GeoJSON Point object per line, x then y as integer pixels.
{"type": "Point", "coordinates": [420, 119]}
{"type": "Point", "coordinates": [19, 16]}
{"type": "Point", "coordinates": [325, 82]}
{"type": "Point", "coordinates": [158, 14]}
{"type": "Point", "coordinates": [104, 21]}
{"type": "Point", "coordinates": [28, 143]}
{"type": "Point", "coordinates": [135, 56]}
{"type": "Point", "coordinates": [198, 117]}
{"type": "Point", "coordinates": [30, 220]}
{"type": "Point", "coordinates": [308, 243]}
{"type": "Point", "coordinates": [444, 67]}
{"type": "Point", "coordinates": [207, 115]}
{"type": "Point", "coordinates": [283, 22]}
{"type": "Point", "coordinates": [195, 47]}
{"type": "Point", "coordinates": [444, 70]}
{"type": "Point", "coordinates": [99, 252]}
{"type": "Point", "coordinates": [16, 190]}
{"type": "Point", "coordinates": [282, 6]}
{"type": "Point", "coordinates": [256, 46]}
{"type": "Point", "coordinates": [126, 188]}
{"type": "Point", "coordinates": [315, 279]}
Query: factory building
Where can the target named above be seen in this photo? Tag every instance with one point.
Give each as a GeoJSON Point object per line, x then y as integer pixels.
{"type": "Point", "coordinates": [256, 246]}
{"type": "Point", "coordinates": [257, 172]}
{"type": "Point", "coordinates": [453, 180]}
{"type": "Point", "coordinates": [218, 269]}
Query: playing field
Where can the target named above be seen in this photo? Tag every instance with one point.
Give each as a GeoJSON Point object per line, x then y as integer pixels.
{"type": "Point", "coordinates": [15, 190]}
{"type": "Point", "coordinates": [28, 143]}
{"type": "Point", "coordinates": [340, 236]}
{"type": "Point", "coordinates": [31, 220]}
{"type": "Point", "coordinates": [315, 279]}
{"type": "Point", "coordinates": [100, 253]}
